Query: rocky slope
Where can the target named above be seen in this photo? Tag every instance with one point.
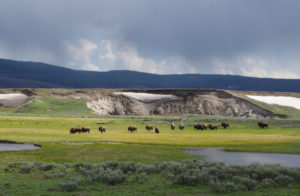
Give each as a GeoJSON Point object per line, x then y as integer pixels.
{"type": "Point", "coordinates": [207, 102]}
{"type": "Point", "coordinates": [158, 102]}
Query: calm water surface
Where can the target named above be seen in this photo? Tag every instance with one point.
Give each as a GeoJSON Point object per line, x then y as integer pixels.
{"type": "Point", "coordinates": [245, 158]}
{"type": "Point", "coordinates": [13, 147]}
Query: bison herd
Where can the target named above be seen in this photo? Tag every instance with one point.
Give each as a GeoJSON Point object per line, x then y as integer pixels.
{"type": "Point", "coordinates": [197, 126]}
{"type": "Point", "coordinates": [74, 130]}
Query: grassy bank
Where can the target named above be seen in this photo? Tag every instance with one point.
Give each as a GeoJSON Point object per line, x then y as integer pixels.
{"type": "Point", "coordinates": [59, 145]}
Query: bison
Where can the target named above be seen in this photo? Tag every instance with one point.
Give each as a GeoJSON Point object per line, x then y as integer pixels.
{"type": "Point", "coordinates": [149, 127]}
{"type": "Point", "coordinates": [85, 130]}
{"type": "Point", "coordinates": [181, 126]}
{"type": "Point", "coordinates": [213, 127]}
{"type": "Point", "coordinates": [74, 130]}
{"type": "Point", "coordinates": [205, 126]}
{"type": "Point", "coordinates": [156, 130]}
{"type": "Point", "coordinates": [263, 124]}
{"type": "Point", "coordinates": [132, 128]}
{"type": "Point", "coordinates": [173, 126]}
{"type": "Point", "coordinates": [198, 126]}
{"type": "Point", "coordinates": [225, 125]}
{"type": "Point", "coordinates": [102, 129]}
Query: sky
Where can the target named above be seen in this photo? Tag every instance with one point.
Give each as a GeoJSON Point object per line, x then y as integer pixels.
{"type": "Point", "coordinates": [258, 38]}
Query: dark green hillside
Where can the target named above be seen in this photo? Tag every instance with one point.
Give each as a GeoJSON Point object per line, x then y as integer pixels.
{"type": "Point", "coordinates": [17, 74]}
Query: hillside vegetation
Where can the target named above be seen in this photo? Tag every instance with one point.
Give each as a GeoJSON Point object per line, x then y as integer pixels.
{"type": "Point", "coordinates": [17, 74]}
{"type": "Point", "coordinates": [56, 107]}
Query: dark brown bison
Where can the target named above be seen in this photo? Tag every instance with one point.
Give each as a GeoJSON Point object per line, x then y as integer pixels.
{"type": "Point", "coordinates": [132, 128]}
{"type": "Point", "coordinates": [225, 125]}
{"type": "Point", "coordinates": [85, 130]}
{"type": "Point", "coordinates": [149, 127]}
{"type": "Point", "coordinates": [263, 124]}
{"type": "Point", "coordinates": [74, 130]}
{"type": "Point", "coordinates": [213, 127]}
{"type": "Point", "coordinates": [156, 130]}
{"type": "Point", "coordinates": [102, 129]}
{"type": "Point", "coordinates": [198, 127]}
{"type": "Point", "coordinates": [173, 126]}
{"type": "Point", "coordinates": [181, 126]}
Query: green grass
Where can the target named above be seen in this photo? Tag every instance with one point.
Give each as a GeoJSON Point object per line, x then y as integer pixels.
{"type": "Point", "coordinates": [56, 130]}
{"type": "Point", "coordinates": [282, 136]}
{"type": "Point", "coordinates": [60, 146]}
{"type": "Point", "coordinates": [94, 153]}
{"type": "Point", "coordinates": [56, 106]}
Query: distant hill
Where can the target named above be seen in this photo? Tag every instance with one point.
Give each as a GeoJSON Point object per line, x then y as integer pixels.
{"type": "Point", "coordinates": [18, 74]}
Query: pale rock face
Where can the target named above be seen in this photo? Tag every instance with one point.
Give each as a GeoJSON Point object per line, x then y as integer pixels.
{"type": "Point", "coordinates": [278, 100]}
{"type": "Point", "coordinates": [12, 99]}
{"type": "Point", "coordinates": [207, 102]}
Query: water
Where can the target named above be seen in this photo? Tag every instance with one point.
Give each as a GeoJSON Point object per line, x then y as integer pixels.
{"type": "Point", "coordinates": [245, 158]}
{"type": "Point", "coordinates": [14, 147]}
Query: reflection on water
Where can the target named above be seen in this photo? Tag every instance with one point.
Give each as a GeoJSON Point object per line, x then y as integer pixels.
{"type": "Point", "coordinates": [245, 158]}
{"type": "Point", "coordinates": [13, 147]}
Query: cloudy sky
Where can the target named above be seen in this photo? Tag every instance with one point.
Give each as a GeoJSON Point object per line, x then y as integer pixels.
{"type": "Point", "coordinates": [246, 37]}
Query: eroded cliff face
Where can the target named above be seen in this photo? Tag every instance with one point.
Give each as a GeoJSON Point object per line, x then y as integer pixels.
{"type": "Point", "coordinates": [148, 102]}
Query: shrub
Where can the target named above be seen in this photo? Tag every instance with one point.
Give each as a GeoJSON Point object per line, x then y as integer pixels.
{"type": "Point", "coordinates": [268, 172]}
{"type": "Point", "coordinates": [218, 172]}
{"type": "Point", "coordinates": [54, 174]}
{"type": "Point", "coordinates": [233, 170]}
{"type": "Point", "coordinates": [222, 187]}
{"type": "Point", "coordinates": [103, 173]}
{"type": "Point", "coordinates": [70, 184]}
{"type": "Point", "coordinates": [139, 178]}
{"type": "Point", "coordinates": [148, 169]}
{"type": "Point", "coordinates": [47, 166]}
{"type": "Point", "coordinates": [26, 168]}
{"type": "Point", "coordinates": [113, 177]}
{"type": "Point", "coordinates": [127, 167]}
{"type": "Point", "coordinates": [111, 165]}
{"type": "Point", "coordinates": [7, 185]}
{"type": "Point", "coordinates": [283, 180]}
{"type": "Point", "coordinates": [79, 166]}
{"type": "Point", "coordinates": [96, 173]}
{"type": "Point", "coordinates": [248, 182]}
{"type": "Point", "coordinates": [190, 177]}
{"type": "Point", "coordinates": [267, 182]}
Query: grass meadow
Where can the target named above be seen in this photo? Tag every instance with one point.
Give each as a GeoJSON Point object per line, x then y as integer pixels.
{"type": "Point", "coordinates": [144, 147]}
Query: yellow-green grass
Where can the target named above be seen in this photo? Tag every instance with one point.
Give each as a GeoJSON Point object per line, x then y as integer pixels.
{"type": "Point", "coordinates": [242, 134]}
{"type": "Point", "coordinates": [56, 130]}
{"type": "Point", "coordinates": [94, 153]}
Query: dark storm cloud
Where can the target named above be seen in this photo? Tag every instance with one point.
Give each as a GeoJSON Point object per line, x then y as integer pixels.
{"type": "Point", "coordinates": [208, 35]}
{"type": "Point", "coordinates": [205, 28]}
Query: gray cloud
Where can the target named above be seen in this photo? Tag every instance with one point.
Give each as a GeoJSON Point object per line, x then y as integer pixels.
{"type": "Point", "coordinates": [258, 37]}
